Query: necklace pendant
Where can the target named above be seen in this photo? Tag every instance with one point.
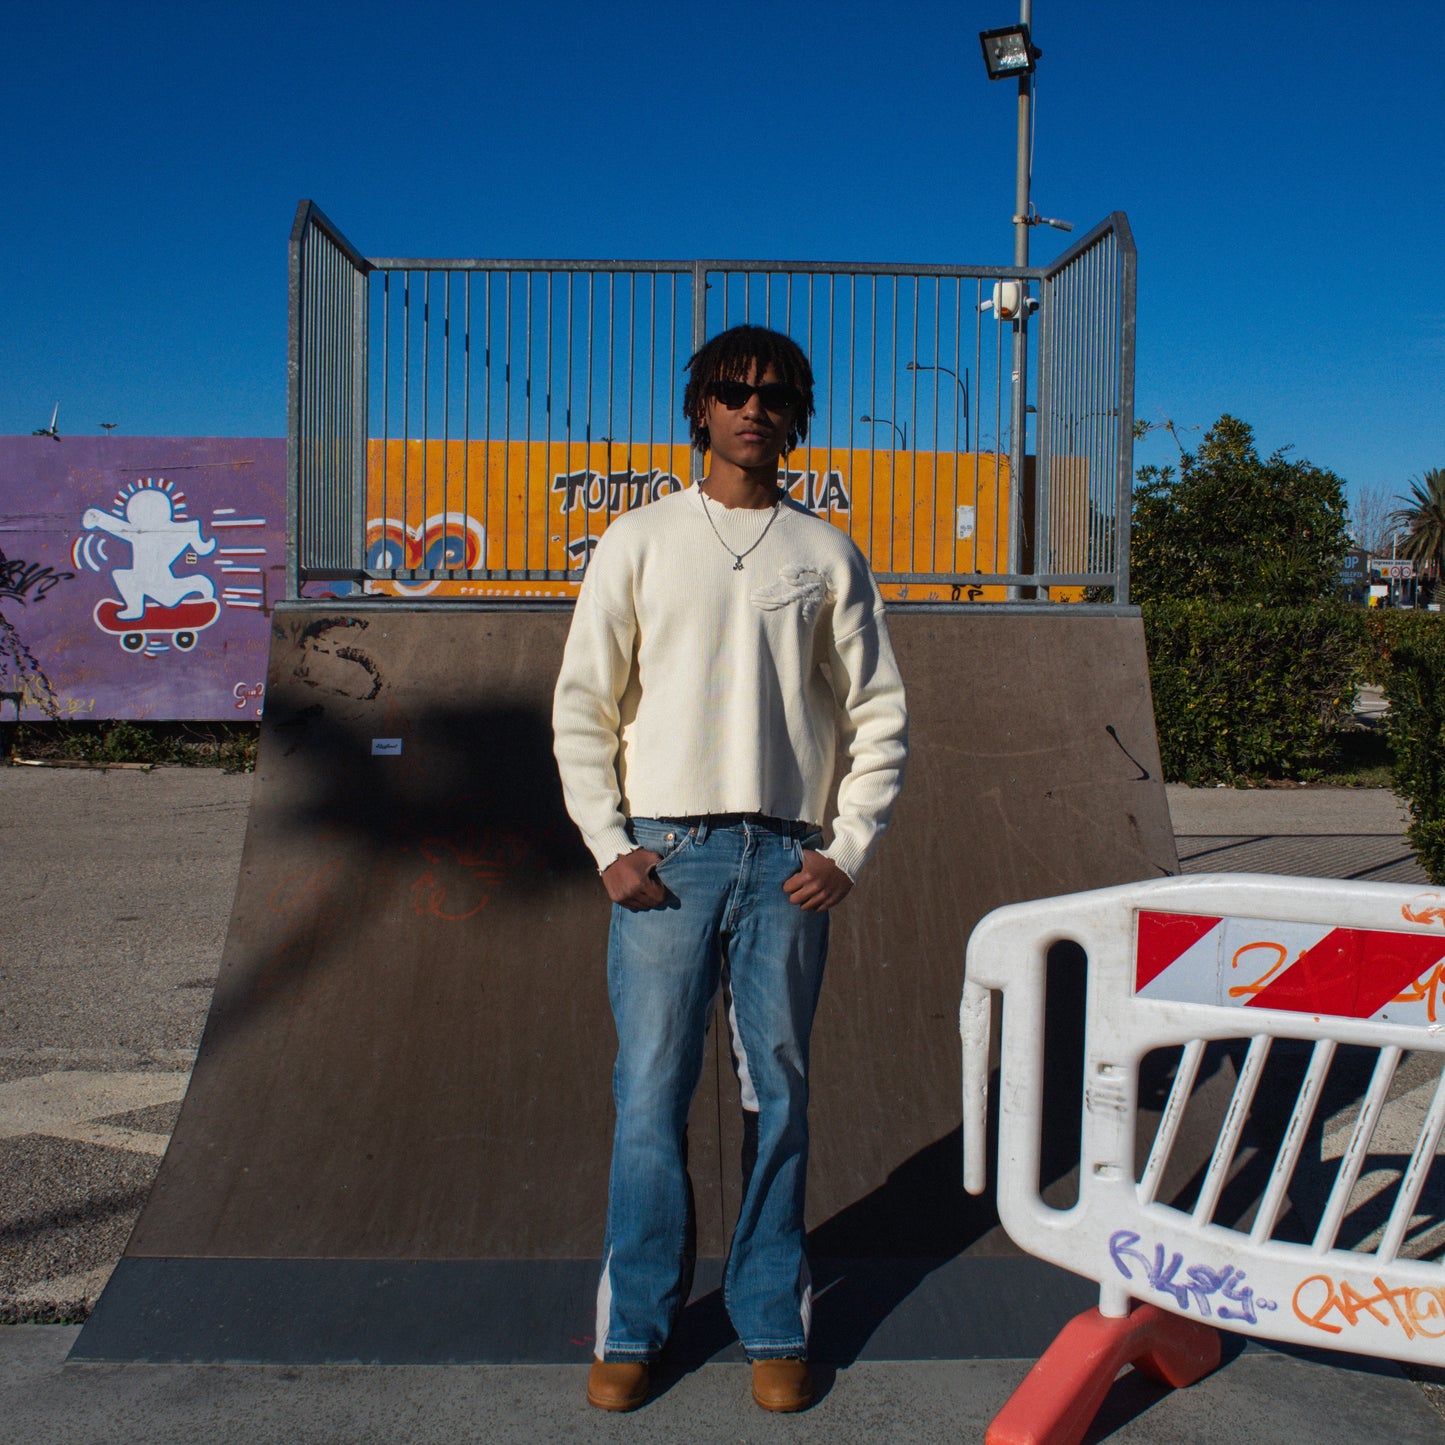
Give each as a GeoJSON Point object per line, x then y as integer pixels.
{"type": "Point", "coordinates": [738, 565]}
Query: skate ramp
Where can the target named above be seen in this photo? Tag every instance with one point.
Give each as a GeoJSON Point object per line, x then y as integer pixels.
{"type": "Point", "coordinates": [395, 1142]}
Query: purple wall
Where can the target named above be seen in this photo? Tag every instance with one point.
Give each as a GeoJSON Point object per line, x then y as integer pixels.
{"type": "Point", "coordinates": [138, 574]}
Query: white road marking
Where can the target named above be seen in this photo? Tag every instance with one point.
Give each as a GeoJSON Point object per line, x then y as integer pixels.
{"type": "Point", "coordinates": [66, 1105]}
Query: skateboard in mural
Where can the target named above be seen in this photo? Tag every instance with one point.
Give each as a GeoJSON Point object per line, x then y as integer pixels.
{"type": "Point", "coordinates": [179, 624]}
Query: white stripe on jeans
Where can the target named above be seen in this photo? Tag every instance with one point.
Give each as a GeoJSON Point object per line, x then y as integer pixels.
{"type": "Point", "coordinates": [604, 1307]}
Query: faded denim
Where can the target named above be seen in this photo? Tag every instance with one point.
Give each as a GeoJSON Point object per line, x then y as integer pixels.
{"type": "Point", "coordinates": [727, 922]}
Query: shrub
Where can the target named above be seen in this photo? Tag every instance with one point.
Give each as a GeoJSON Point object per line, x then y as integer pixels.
{"type": "Point", "coordinates": [226, 745]}
{"type": "Point", "coordinates": [1250, 692]}
{"type": "Point", "coordinates": [1409, 657]}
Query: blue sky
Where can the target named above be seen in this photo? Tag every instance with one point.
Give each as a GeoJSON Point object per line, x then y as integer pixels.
{"type": "Point", "coordinates": [1281, 168]}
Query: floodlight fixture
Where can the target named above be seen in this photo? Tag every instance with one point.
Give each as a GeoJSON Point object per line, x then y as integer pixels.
{"type": "Point", "coordinates": [1008, 51]}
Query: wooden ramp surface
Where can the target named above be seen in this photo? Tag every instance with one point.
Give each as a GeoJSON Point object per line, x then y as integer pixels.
{"type": "Point", "coordinates": [408, 1057]}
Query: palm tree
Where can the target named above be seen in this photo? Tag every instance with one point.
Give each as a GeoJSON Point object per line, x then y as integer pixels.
{"type": "Point", "coordinates": [1423, 518]}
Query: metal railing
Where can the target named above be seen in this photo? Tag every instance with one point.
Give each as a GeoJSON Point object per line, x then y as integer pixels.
{"type": "Point", "coordinates": [469, 427]}
{"type": "Point", "coordinates": [1086, 410]}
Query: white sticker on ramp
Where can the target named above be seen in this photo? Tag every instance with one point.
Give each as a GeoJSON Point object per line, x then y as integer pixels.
{"type": "Point", "coordinates": [386, 747]}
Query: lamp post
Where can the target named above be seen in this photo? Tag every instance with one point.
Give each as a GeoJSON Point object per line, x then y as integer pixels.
{"type": "Point", "coordinates": [883, 421]}
{"type": "Point", "coordinates": [962, 386]}
{"type": "Point", "coordinates": [1010, 51]}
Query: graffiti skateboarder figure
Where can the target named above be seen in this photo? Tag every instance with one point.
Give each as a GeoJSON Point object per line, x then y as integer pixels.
{"type": "Point", "coordinates": [157, 539]}
{"type": "Point", "coordinates": [724, 638]}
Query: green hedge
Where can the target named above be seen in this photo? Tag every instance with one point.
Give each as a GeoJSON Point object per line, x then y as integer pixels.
{"type": "Point", "coordinates": [1407, 654]}
{"type": "Point", "coordinates": [1249, 692]}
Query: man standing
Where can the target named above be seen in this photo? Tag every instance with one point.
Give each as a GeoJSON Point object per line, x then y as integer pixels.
{"type": "Point", "coordinates": [724, 637]}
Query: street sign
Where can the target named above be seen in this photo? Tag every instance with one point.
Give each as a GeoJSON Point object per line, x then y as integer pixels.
{"type": "Point", "coordinates": [1392, 569]}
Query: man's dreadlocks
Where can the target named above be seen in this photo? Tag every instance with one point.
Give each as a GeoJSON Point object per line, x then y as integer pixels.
{"type": "Point", "coordinates": [730, 356]}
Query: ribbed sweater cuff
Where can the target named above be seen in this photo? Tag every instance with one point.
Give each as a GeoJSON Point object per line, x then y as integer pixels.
{"type": "Point", "coordinates": [848, 857]}
{"type": "Point", "coordinates": [609, 845]}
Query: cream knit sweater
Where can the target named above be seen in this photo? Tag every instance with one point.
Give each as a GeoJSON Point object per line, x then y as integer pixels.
{"type": "Point", "coordinates": [690, 687]}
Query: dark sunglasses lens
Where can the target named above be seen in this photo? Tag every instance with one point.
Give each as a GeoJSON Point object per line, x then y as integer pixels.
{"type": "Point", "coordinates": [774, 395]}
{"type": "Point", "coordinates": [777, 396]}
{"type": "Point", "coordinates": [732, 394]}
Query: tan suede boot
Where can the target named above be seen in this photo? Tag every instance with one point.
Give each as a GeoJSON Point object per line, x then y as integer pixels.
{"type": "Point", "coordinates": [782, 1385]}
{"type": "Point", "coordinates": [617, 1384]}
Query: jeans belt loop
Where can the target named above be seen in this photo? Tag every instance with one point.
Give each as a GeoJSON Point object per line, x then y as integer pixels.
{"type": "Point", "coordinates": [701, 831]}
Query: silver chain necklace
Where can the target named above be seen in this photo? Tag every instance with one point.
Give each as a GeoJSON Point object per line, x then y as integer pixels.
{"type": "Point", "coordinates": [738, 556]}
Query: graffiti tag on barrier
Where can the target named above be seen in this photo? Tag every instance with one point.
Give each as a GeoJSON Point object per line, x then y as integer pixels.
{"type": "Point", "coordinates": [612, 491]}
{"type": "Point", "coordinates": [817, 491]}
{"type": "Point", "coordinates": [1427, 908]}
{"type": "Point", "coordinates": [1417, 1310]}
{"type": "Point", "coordinates": [1425, 989]}
{"type": "Point", "coordinates": [590, 491]}
{"type": "Point", "coordinates": [1280, 953]}
{"type": "Point", "coordinates": [580, 551]}
{"type": "Point", "coordinates": [464, 873]}
{"type": "Point", "coordinates": [19, 579]}
{"type": "Point", "coordinates": [244, 694]}
{"type": "Point", "coordinates": [1231, 1298]}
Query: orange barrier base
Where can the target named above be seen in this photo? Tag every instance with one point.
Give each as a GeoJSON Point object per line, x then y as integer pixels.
{"type": "Point", "coordinates": [1062, 1393]}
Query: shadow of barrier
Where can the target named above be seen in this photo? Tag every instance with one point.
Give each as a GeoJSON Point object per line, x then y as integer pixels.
{"type": "Point", "coordinates": [395, 1143]}
{"type": "Point", "coordinates": [1322, 993]}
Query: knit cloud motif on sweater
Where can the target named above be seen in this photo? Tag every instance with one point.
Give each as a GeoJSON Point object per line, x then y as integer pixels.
{"type": "Point", "coordinates": [795, 586]}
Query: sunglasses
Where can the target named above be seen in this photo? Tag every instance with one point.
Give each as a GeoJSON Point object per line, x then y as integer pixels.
{"type": "Point", "coordinates": [775, 396]}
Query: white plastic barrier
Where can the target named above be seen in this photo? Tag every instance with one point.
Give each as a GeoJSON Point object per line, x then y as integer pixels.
{"type": "Point", "coordinates": [1183, 961]}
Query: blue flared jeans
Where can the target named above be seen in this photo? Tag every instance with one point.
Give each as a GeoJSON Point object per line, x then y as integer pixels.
{"type": "Point", "coordinates": [726, 924]}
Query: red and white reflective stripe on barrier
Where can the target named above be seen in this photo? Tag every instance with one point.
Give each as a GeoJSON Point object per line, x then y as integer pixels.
{"type": "Point", "coordinates": [1183, 962]}
{"type": "Point", "coordinates": [1353, 973]}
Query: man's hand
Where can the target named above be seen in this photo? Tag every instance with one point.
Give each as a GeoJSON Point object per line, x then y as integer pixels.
{"type": "Point", "coordinates": [630, 881]}
{"type": "Point", "coordinates": [819, 884]}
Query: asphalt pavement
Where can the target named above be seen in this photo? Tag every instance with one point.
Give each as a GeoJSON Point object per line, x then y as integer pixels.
{"type": "Point", "coordinates": [117, 892]}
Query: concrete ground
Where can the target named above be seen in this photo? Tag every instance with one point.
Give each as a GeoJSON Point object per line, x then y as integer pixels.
{"type": "Point", "coordinates": [117, 891]}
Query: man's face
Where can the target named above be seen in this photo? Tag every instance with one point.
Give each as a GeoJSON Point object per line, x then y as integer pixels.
{"type": "Point", "coordinates": [753, 434]}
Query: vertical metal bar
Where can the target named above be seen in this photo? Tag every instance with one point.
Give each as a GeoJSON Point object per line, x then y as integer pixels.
{"type": "Point", "coordinates": [446, 555]}
{"type": "Point", "coordinates": [1043, 435]}
{"type": "Point", "coordinates": [315, 533]}
{"type": "Point", "coordinates": [934, 564]}
{"type": "Point", "coordinates": [295, 336]}
{"type": "Point", "coordinates": [631, 369]}
{"type": "Point", "coordinates": [699, 335]}
{"type": "Point", "coordinates": [1356, 1150]}
{"type": "Point", "coordinates": [1125, 431]}
{"type": "Point", "coordinates": [893, 458]}
{"type": "Point", "coordinates": [527, 280]}
{"type": "Point", "coordinates": [569, 466]}
{"type": "Point", "coordinates": [672, 372]}
{"type": "Point", "coordinates": [425, 402]}
{"type": "Point", "coordinates": [499, 553]}
{"type": "Point", "coordinates": [467, 412]}
{"type": "Point", "coordinates": [385, 405]}
{"type": "Point", "coordinates": [545, 499]}
{"type": "Point", "coordinates": [507, 422]}
{"type": "Point", "coordinates": [611, 436]}
{"type": "Point", "coordinates": [832, 393]}
{"type": "Point", "coordinates": [852, 412]}
{"type": "Point", "coordinates": [652, 378]}
{"type": "Point", "coordinates": [360, 365]}
{"type": "Point", "coordinates": [873, 430]}
{"type": "Point", "coordinates": [400, 562]}
{"type": "Point", "coordinates": [998, 447]}
{"type": "Point", "coordinates": [805, 465]}
{"type": "Point", "coordinates": [1092, 343]}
